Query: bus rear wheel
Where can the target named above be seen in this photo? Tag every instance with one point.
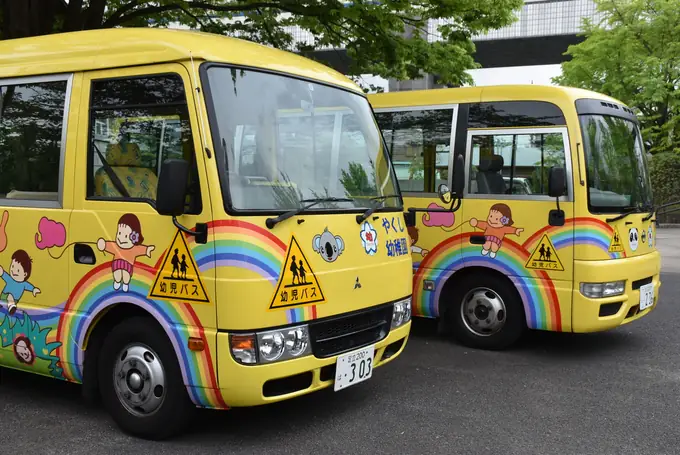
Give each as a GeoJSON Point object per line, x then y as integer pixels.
{"type": "Point", "coordinates": [141, 383]}
{"type": "Point", "coordinates": [485, 312]}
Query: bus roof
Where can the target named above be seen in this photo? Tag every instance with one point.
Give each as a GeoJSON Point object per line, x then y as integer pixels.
{"type": "Point", "coordinates": [121, 47]}
{"type": "Point", "coordinates": [556, 94]}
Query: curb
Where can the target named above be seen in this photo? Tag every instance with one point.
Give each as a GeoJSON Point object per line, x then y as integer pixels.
{"type": "Point", "coordinates": [668, 225]}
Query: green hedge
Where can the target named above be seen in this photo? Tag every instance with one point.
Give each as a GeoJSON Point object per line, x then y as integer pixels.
{"type": "Point", "coordinates": [665, 175]}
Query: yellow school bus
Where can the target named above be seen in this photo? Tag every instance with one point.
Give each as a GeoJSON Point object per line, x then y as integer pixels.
{"type": "Point", "coordinates": [552, 225]}
{"type": "Point", "coordinates": [183, 225]}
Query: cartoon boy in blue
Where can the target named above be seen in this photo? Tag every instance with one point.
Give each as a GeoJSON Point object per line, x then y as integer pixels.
{"type": "Point", "coordinates": [16, 280]}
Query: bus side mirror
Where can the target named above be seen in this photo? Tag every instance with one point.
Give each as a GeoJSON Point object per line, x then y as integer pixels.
{"type": "Point", "coordinates": [557, 182]}
{"type": "Point", "coordinates": [459, 176]}
{"type": "Point", "coordinates": [444, 193]}
{"type": "Point", "coordinates": [171, 190]}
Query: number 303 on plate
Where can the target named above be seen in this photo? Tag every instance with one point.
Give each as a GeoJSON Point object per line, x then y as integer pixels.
{"type": "Point", "coordinates": [354, 367]}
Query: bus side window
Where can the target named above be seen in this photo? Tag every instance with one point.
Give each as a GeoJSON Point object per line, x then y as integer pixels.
{"type": "Point", "coordinates": [419, 142]}
{"type": "Point", "coordinates": [31, 129]}
{"type": "Point", "coordinates": [136, 124]}
{"type": "Point", "coordinates": [514, 163]}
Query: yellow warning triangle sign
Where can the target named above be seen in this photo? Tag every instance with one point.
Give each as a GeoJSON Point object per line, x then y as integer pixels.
{"type": "Point", "coordinates": [178, 277]}
{"type": "Point", "coordinates": [545, 256]}
{"type": "Point", "coordinates": [297, 284]}
{"type": "Point", "coordinates": [615, 246]}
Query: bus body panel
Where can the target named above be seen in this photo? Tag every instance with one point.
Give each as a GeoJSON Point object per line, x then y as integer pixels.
{"type": "Point", "coordinates": [552, 299]}
{"type": "Point", "coordinates": [592, 315]}
{"type": "Point", "coordinates": [269, 295]}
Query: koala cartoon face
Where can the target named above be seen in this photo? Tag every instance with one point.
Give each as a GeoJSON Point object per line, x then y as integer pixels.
{"type": "Point", "coordinates": [633, 239]}
{"type": "Point", "coordinates": [329, 246]}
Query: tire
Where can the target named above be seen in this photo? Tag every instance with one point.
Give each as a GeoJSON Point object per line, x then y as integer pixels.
{"type": "Point", "coordinates": [139, 351]}
{"type": "Point", "coordinates": [485, 312]}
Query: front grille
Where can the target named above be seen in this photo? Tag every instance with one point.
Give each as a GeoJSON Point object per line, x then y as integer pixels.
{"type": "Point", "coordinates": [334, 336]}
{"type": "Point", "coordinates": [639, 283]}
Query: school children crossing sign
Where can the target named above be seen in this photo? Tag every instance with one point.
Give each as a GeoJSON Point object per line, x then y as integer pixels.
{"type": "Point", "coordinates": [178, 277]}
{"type": "Point", "coordinates": [545, 257]}
{"type": "Point", "coordinates": [615, 246]}
{"type": "Point", "coordinates": [297, 284]}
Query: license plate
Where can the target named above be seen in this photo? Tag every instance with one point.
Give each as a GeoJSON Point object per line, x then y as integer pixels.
{"type": "Point", "coordinates": [646, 296]}
{"type": "Point", "coordinates": [354, 367]}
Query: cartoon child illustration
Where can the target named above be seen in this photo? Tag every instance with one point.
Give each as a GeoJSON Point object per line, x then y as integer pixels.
{"type": "Point", "coordinates": [496, 227]}
{"type": "Point", "coordinates": [16, 281]}
{"type": "Point", "coordinates": [23, 350]}
{"type": "Point", "coordinates": [127, 247]}
{"type": "Point", "coordinates": [413, 233]}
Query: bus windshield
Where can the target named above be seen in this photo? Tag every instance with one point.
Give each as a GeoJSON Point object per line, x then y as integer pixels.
{"type": "Point", "coordinates": [285, 141]}
{"type": "Point", "coordinates": [616, 164]}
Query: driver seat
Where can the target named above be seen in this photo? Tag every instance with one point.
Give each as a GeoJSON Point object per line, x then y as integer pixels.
{"type": "Point", "coordinates": [126, 162]}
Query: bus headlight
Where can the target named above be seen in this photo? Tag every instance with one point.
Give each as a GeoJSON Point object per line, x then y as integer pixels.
{"type": "Point", "coordinates": [271, 345]}
{"type": "Point", "coordinates": [600, 290]}
{"type": "Point", "coordinates": [297, 341]}
{"type": "Point", "coordinates": [401, 313]}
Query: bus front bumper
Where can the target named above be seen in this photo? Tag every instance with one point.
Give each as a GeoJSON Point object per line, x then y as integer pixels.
{"type": "Point", "coordinates": [253, 385]}
{"type": "Point", "coordinates": [599, 314]}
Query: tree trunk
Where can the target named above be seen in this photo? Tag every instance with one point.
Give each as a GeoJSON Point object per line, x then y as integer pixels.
{"type": "Point", "coordinates": [74, 16]}
{"type": "Point", "coordinates": [22, 18]}
{"type": "Point", "coordinates": [95, 14]}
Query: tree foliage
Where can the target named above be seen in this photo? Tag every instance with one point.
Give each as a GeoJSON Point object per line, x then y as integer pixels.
{"type": "Point", "coordinates": [387, 38]}
{"type": "Point", "coordinates": [664, 170]}
{"type": "Point", "coordinates": [633, 54]}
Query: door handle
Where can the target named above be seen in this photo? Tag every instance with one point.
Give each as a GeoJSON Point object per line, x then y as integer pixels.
{"type": "Point", "coordinates": [83, 254]}
{"type": "Point", "coordinates": [477, 239]}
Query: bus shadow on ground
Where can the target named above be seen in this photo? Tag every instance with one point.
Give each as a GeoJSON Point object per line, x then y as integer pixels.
{"type": "Point", "coordinates": [252, 427]}
{"type": "Point", "coordinates": [537, 343]}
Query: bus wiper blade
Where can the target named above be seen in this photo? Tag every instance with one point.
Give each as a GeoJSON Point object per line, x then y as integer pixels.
{"type": "Point", "coordinates": [650, 213]}
{"type": "Point", "coordinates": [623, 215]}
{"type": "Point", "coordinates": [369, 212]}
{"type": "Point", "coordinates": [382, 198]}
{"type": "Point", "coordinates": [271, 222]}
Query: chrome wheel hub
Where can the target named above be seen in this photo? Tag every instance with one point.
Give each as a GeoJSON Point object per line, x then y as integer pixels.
{"type": "Point", "coordinates": [139, 379]}
{"type": "Point", "coordinates": [483, 312]}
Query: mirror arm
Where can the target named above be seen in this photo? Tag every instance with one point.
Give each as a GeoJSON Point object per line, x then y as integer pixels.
{"type": "Point", "coordinates": [200, 232]}
{"type": "Point", "coordinates": [457, 203]}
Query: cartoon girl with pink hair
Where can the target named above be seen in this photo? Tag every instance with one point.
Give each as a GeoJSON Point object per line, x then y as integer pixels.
{"type": "Point", "coordinates": [127, 247]}
{"type": "Point", "coordinates": [498, 224]}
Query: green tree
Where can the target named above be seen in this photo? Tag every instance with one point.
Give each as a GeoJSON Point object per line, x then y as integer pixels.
{"type": "Point", "coordinates": [664, 170]}
{"type": "Point", "coordinates": [356, 182]}
{"type": "Point", "coordinates": [387, 38]}
{"type": "Point", "coordinates": [633, 54]}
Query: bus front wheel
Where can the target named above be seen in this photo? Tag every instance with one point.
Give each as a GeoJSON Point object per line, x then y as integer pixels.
{"type": "Point", "coordinates": [485, 312]}
{"type": "Point", "coordinates": [140, 381]}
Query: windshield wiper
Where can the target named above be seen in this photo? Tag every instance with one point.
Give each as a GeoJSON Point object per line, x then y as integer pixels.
{"type": "Point", "coordinates": [271, 222]}
{"type": "Point", "coordinates": [624, 214]}
{"type": "Point", "coordinates": [651, 212]}
{"type": "Point", "coordinates": [369, 212]}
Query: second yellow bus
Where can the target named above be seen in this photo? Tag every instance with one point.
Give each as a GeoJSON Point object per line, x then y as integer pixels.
{"type": "Point", "coordinates": [555, 228]}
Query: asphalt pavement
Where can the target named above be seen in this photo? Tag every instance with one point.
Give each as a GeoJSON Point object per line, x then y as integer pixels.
{"type": "Point", "coordinates": [607, 393]}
